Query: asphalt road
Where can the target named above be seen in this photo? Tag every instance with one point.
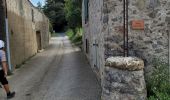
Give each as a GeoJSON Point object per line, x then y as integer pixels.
{"type": "Point", "coordinates": [60, 72]}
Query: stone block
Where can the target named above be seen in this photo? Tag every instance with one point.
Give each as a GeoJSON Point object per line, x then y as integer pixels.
{"type": "Point", "coordinates": [122, 83]}
{"type": "Point", "coordinates": [125, 63]}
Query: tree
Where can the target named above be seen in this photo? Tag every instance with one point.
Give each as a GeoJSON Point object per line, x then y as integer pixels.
{"type": "Point", "coordinates": [64, 12]}
{"type": "Point", "coordinates": [54, 9]}
{"type": "Point", "coordinates": [73, 13]}
{"type": "Point", "coordinates": [39, 5]}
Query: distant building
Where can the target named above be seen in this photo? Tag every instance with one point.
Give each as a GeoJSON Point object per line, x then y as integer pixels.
{"type": "Point", "coordinates": [27, 29]}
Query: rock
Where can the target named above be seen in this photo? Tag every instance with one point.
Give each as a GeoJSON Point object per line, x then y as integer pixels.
{"type": "Point", "coordinates": [167, 19]}
{"type": "Point", "coordinates": [159, 50]}
{"type": "Point", "coordinates": [125, 63]}
{"type": "Point", "coordinates": [105, 19]}
{"type": "Point", "coordinates": [124, 84]}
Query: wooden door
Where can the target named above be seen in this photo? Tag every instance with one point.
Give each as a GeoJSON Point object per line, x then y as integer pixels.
{"type": "Point", "coordinates": [38, 35]}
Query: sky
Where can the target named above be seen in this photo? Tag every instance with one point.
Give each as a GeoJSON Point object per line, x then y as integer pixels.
{"type": "Point", "coordinates": [36, 1]}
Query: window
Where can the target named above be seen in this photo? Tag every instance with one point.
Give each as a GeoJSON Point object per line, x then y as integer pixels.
{"type": "Point", "coordinates": [32, 13]}
{"type": "Point", "coordinates": [86, 10]}
{"type": "Point", "coordinates": [87, 46]}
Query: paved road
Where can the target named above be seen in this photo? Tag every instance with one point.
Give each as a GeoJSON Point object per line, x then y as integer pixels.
{"type": "Point", "coordinates": [59, 73]}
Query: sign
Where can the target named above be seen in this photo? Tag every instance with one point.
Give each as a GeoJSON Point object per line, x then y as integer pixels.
{"type": "Point", "coordinates": [138, 24]}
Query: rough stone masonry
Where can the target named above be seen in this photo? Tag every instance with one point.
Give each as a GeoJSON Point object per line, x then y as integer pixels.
{"type": "Point", "coordinates": [103, 32]}
{"type": "Point", "coordinates": [104, 27]}
{"type": "Point", "coordinates": [124, 79]}
{"type": "Point", "coordinates": [28, 29]}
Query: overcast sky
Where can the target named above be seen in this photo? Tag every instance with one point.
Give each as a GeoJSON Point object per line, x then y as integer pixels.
{"type": "Point", "coordinates": [36, 1]}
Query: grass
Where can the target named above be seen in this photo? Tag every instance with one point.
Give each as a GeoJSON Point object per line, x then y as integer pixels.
{"type": "Point", "coordinates": [75, 38]}
{"type": "Point", "coordinates": [70, 33]}
{"type": "Point", "coordinates": [158, 85]}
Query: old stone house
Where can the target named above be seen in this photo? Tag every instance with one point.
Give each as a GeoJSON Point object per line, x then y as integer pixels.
{"type": "Point", "coordinates": [24, 28]}
{"type": "Point", "coordinates": [103, 24]}
{"type": "Point", "coordinates": [136, 28]}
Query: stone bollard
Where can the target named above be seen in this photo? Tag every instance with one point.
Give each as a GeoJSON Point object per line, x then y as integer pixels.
{"type": "Point", "coordinates": [124, 79]}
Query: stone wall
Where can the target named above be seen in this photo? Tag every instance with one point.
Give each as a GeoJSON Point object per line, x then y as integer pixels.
{"type": "Point", "coordinates": [106, 26]}
{"type": "Point", "coordinates": [150, 43]}
{"type": "Point", "coordinates": [92, 34]}
{"type": "Point", "coordinates": [42, 25]}
{"type": "Point", "coordinates": [153, 41]}
{"type": "Point", "coordinates": [24, 20]}
{"type": "Point", "coordinates": [105, 29]}
{"type": "Point", "coordinates": [124, 79]}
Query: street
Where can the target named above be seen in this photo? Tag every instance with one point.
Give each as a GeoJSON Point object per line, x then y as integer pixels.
{"type": "Point", "coordinates": [60, 72]}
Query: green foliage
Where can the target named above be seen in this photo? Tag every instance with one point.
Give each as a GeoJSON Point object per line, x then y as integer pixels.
{"type": "Point", "coordinates": [76, 38]}
{"type": "Point", "coordinates": [64, 12]}
{"type": "Point", "coordinates": [70, 33]}
{"type": "Point", "coordinates": [158, 84]}
{"type": "Point", "coordinates": [73, 13]}
{"type": "Point", "coordinates": [54, 10]}
{"type": "Point", "coordinates": [50, 28]}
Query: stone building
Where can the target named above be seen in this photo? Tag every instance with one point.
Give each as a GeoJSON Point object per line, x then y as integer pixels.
{"type": "Point", "coordinates": [24, 28]}
{"type": "Point", "coordinates": [104, 35]}
{"type": "Point", "coordinates": [139, 28]}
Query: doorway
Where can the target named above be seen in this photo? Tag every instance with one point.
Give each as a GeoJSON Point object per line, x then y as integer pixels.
{"type": "Point", "coordinates": [38, 36]}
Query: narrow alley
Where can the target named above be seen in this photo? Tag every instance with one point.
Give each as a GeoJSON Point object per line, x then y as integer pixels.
{"type": "Point", "coordinates": [60, 72]}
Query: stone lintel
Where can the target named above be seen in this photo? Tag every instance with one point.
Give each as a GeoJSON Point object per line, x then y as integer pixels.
{"type": "Point", "coordinates": [125, 63]}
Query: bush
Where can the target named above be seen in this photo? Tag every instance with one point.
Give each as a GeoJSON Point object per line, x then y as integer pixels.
{"type": "Point", "coordinates": [158, 84]}
{"type": "Point", "coordinates": [70, 33]}
{"type": "Point", "coordinates": [76, 38]}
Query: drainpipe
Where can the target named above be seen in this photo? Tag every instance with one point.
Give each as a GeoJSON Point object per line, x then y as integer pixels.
{"type": "Point", "coordinates": [7, 39]}
{"type": "Point", "coordinates": [169, 57]}
{"type": "Point", "coordinates": [8, 45]}
{"type": "Point", "coordinates": [125, 27]}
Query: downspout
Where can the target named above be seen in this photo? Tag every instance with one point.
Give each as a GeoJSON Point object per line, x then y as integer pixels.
{"type": "Point", "coordinates": [7, 39]}
{"type": "Point", "coordinates": [125, 27]}
{"type": "Point", "coordinates": [169, 56]}
{"type": "Point", "coordinates": [127, 30]}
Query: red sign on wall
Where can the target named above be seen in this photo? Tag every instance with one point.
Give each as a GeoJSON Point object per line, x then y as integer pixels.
{"type": "Point", "coordinates": [138, 24]}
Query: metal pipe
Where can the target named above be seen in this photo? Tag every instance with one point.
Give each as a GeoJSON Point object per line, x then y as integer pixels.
{"type": "Point", "coordinates": [169, 56]}
{"type": "Point", "coordinates": [124, 27]}
{"type": "Point", "coordinates": [127, 26]}
{"type": "Point", "coordinates": [8, 45]}
{"type": "Point", "coordinates": [7, 39]}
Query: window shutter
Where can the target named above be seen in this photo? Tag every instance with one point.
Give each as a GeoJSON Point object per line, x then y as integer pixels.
{"type": "Point", "coordinates": [86, 10]}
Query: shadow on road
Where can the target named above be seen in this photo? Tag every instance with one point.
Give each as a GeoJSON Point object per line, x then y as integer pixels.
{"type": "Point", "coordinates": [61, 72]}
